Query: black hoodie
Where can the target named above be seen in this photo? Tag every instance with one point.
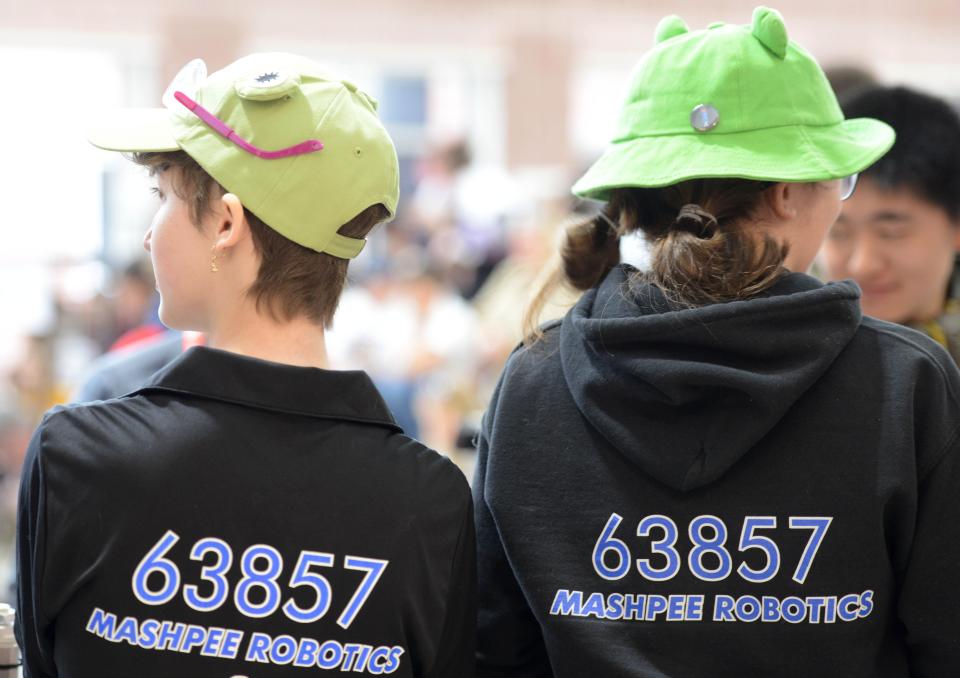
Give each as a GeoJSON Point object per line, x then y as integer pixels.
{"type": "Point", "coordinates": [753, 488]}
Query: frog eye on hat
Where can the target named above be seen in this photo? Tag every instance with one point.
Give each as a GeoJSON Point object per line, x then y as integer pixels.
{"type": "Point", "coordinates": [261, 119]}
{"type": "Point", "coordinates": [267, 84]}
{"type": "Point", "coordinates": [730, 101]}
{"type": "Point", "coordinates": [187, 80]}
{"type": "Point", "coordinates": [219, 126]}
{"type": "Point", "coordinates": [769, 28]}
{"type": "Point", "coordinates": [261, 85]}
{"type": "Point", "coordinates": [670, 27]}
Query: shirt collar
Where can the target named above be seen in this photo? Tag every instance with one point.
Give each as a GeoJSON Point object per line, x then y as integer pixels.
{"type": "Point", "coordinates": [234, 378]}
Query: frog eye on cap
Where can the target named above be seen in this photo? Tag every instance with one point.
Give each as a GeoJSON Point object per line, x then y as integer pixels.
{"type": "Point", "coordinates": [188, 81]}
{"type": "Point", "coordinates": [769, 29]}
{"type": "Point", "coordinates": [267, 84]}
{"type": "Point", "coordinates": [670, 27]}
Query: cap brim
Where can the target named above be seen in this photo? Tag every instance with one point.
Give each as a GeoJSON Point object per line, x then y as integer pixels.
{"type": "Point", "coordinates": [133, 129]}
{"type": "Point", "coordinates": [795, 153]}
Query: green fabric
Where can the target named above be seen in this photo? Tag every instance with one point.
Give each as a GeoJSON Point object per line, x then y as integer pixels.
{"type": "Point", "coordinates": [779, 119]}
{"type": "Point", "coordinates": [307, 197]}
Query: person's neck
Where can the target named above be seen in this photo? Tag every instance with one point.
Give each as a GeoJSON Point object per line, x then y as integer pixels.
{"type": "Point", "coordinates": [298, 342]}
{"type": "Point", "coordinates": [930, 312]}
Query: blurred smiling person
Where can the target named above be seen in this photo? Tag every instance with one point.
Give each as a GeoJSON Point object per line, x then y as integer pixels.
{"type": "Point", "coordinates": [898, 235]}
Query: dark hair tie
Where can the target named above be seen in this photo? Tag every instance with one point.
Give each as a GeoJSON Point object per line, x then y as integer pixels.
{"type": "Point", "coordinates": [696, 220]}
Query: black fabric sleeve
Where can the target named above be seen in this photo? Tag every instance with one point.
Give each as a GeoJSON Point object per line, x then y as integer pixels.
{"type": "Point", "coordinates": [456, 656]}
{"type": "Point", "coordinates": [509, 639]}
{"type": "Point", "coordinates": [930, 593]}
{"type": "Point", "coordinates": [33, 631]}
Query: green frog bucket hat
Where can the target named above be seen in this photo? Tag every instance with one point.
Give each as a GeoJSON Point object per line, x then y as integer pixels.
{"type": "Point", "coordinates": [303, 150]}
{"type": "Point", "coordinates": [731, 102]}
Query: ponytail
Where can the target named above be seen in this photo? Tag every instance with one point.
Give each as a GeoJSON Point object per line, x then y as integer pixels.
{"type": "Point", "coordinates": [697, 262]}
{"type": "Point", "coordinates": [701, 249]}
{"type": "Point", "coordinates": [589, 250]}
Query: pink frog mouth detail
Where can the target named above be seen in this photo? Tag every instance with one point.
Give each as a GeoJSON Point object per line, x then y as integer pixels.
{"type": "Point", "coordinates": [212, 121]}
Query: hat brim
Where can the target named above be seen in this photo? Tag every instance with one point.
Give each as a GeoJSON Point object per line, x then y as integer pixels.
{"type": "Point", "coordinates": [133, 129]}
{"type": "Point", "coordinates": [794, 153]}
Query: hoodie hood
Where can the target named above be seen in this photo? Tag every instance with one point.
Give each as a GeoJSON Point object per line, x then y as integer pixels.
{"type": "Point", "coordinates": [685, 393]}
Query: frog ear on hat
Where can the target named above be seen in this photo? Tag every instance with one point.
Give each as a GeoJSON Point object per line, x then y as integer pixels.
{"type": "Point", "coordinates": [769, 29]}
{"type": "Point", "coordinates": [670, 27]}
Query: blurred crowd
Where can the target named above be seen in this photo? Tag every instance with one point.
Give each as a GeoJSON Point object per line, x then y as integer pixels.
{"type": "Point", "coordinates": [432, 310]}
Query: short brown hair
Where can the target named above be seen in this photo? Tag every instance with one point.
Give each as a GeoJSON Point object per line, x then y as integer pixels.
{"type": "Point", "coordinates": [292, 279]}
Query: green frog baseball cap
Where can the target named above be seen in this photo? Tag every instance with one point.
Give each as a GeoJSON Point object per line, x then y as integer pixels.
{"type": "Point", "coordinates": [731, 101]}
{"type": "Point", "coordinates": [303, 150]}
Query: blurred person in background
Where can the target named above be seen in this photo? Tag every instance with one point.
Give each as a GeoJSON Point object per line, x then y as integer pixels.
{"type": "Point", "coordinates": [248, 507]}
{"type": "Point", "coordinates": [433, 204]}
{"type": "Point", "coordinates": [418, 339]}
{"type": "Point", "coordinates": [125, 370]}
{"type": "Point", "coordinates": [898, 236]}
{"type": "Point", "coordinates": [530, 265]}
{"type": "Point", "coordinates": [32, 386]}
{"type": "Point", "coordinates": [14, 438]}
{"type": "Point", "coordinates": [531, 247]}
{"type": "Point", "coordinates": [34, 379]}
{"type": "Point", "coordinates": [84, 323]}
{"type": "Point", "coordinates": [143, 346]}
{"type": "Point", "coordinates": [459, 211]}
{"type": "Point", "coordinates": [848, 80]}
{"type": "Point", "coordinates": [135, 306]}
{"type": "Point", "coordinates": [718, 466]}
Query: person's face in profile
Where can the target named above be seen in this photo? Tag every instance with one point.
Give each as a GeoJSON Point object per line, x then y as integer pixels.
{"type": "Point", "coordinates": [898, 247]}
{"type": "Point", "coordinates": [181, 256]}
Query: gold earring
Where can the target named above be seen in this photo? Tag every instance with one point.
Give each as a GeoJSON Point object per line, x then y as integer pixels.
{"type": "Point", "coordinates": [213, 263]}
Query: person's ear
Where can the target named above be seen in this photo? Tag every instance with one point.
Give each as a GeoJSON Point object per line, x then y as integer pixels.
{"type": "Point", "coordinates": [782, 200]}
{"type": "Point", "coordinates": [231, 222]}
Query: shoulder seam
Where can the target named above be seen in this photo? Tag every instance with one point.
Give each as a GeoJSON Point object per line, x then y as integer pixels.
{"type": "Point", "coordinates": [88, 405]}
{"type": "Point", "coordinates": [551, 324]}
{"type": "Point", "coordinates": [922, 473]}
{"type": "Point", "coordinates": [922, 349]}
{"type": "Point", "coordinates": [453, 468]}
{"type": "Point", "coordinates": [940, 456]}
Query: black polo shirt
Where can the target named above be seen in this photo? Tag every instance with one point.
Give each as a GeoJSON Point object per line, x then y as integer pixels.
{"type": "Point", "coordinates": [241, 517]}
